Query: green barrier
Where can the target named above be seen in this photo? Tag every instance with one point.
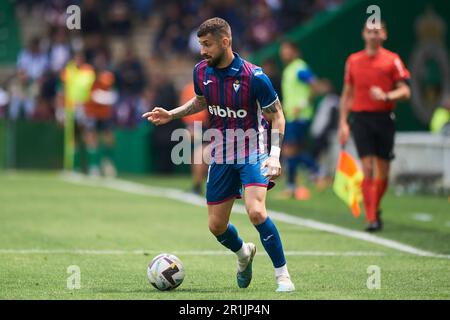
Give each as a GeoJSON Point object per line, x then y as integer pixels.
{"type": "Point", "coordinates": [39, 145]}
{"type": "Point", "coordinates": [132, 152]}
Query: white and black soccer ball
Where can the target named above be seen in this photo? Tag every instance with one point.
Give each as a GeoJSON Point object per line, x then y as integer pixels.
{"type": "Point", "coordinates": [165, 272]}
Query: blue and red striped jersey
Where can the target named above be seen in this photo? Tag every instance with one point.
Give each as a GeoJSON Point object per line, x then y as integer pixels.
{"type": "Point", "coordinates": [236, 97]}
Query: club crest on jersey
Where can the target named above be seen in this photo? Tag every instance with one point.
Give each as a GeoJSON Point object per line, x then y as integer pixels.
{"type": "Point", "coordinates": [236, 85]}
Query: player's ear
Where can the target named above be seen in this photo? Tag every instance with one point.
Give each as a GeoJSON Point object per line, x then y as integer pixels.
{"type": "Point", "coordinates": [225, 42]}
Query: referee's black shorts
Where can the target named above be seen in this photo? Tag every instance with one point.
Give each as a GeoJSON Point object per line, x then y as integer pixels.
{"type": "Point", "coordinates": [373, 133]}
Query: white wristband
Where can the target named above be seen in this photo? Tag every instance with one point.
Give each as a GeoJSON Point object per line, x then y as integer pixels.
{"type": "Point", "coordinates": [275, 151]}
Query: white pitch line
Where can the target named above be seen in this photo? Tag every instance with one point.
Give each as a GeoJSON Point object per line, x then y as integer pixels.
{"type": "Point", "coordinates": [186, 197]}
{"type": "Point", "coordinates": [184, 253]}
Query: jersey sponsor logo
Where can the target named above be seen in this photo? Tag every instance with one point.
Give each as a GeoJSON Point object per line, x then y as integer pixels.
{"type": "Point", "coordinates": [227, 112]}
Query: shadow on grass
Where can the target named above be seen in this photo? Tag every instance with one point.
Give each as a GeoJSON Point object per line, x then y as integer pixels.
{"type": "Point", "coordinates": [151, 290]}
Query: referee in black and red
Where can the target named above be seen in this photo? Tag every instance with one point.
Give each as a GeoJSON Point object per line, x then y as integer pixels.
{"type": "Point", "coordinates": [375, 78]}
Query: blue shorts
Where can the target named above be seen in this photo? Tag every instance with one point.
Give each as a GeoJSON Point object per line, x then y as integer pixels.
{"type": "Point", "coordinates": [296, 131]}
{"type": "Point", "coordinates": [225, 181]}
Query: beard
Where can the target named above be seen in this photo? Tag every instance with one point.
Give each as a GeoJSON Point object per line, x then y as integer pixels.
{"type": "Point", "coordinates": [213, 62]}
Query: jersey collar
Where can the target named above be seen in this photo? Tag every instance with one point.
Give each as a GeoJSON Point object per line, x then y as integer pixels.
{"type": "Point", "coordinates": [233, 68]}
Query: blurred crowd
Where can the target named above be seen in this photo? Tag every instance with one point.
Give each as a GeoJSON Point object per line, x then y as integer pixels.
{"type": "Point", "coordinates": [60, 69]}
{"type": "Point", "coordinates": [33, 91]}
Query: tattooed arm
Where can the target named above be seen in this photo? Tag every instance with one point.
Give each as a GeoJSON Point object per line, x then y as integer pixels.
{"type": "Point", "coordinates": [159, 116]}
{"type": "Point", "coordinates": [275, 114]}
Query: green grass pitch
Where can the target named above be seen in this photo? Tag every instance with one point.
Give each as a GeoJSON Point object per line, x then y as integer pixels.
{"type": "Point", "coordinates": [68, 224]}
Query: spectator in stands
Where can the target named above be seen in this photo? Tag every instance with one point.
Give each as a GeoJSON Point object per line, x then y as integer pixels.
{"type": "Point", "coordinates": [143, 8]}
{"type": "Point", "coordinates": [170, 37]}
{"type": "Point", "coordinates": [4, 100]}
{"type": "Point", "coordinates": [55, 12]}
{"type": "Point", "coordinates": [91, 24]}
{"type": "Point", "coordinates": [59, 52]}
{"type": "Point", "coordinates": [92, 29]}
{"type": "Point", "coordinates": [23, 94]}
{"type": "Point", "coordinates": [32, 62]}
{"type": "Point", "coordinates": [45, 109]}
{"type": "Point", "coordinates": [203, 13]}
{"type": "Point", "coordinates": [264, 29]}
{"type": "Point", "coordinates": [165, 95]}
{"type": "Point", "coordinates": [131, 83]}
{"type": "Point", "coordinates": [132, 79]}
{"type": "Point", "coordinates": [144, 104]}
{"type": "Point", "coordinates": [196, 124]}
{"type": "Point", "coordinates": [119, 18]}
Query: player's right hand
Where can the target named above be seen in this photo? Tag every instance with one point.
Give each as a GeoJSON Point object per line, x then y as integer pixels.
{"type": "Point", "coordinates": [344, 133]}
{"type": "Point", "coordinates": [158, 116]}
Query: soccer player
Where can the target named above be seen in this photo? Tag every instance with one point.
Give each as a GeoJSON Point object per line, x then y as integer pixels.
{"type": "Point", "coordinates": [374, 79]}
{"type": "Point", "coordinates": [97, 123]}
{"type": "Point", "coordinates": [297, 84]}
{"type": "Point", "coordinates": [96, 119]}
{"type": "Point", "coordinates": [238, 96]}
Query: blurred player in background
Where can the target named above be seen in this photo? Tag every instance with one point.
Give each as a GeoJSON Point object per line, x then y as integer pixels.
{"type": "Point", "coordinates": [238, 95]}
{"type": "Point", "coordinates": [201, 150]}
{"type": "Point", "coordinates": [298, 84]}
{"type": "Point", "coordinates": [375, 78]}
{"type": "Point", "coordinates": [97, 120]}
{"type": "Point", "coordinates": [76, 78]}
{"type": "Point", "coordinates": [440, 121]}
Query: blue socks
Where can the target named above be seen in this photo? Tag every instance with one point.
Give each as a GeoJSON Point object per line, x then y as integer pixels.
{"type": "Point", "coordinates": [230, 239]}
{"type": "Point", "coordinates": [301, 158]}
{"type": "Point", "coordinates": [291, 171]}
{"type": "Point", "coordinates": [270, 238]}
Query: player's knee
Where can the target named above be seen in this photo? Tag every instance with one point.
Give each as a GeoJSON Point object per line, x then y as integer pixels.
{"type": "Point", "coordinates": [289, 150]}
{"type": "Point", "coordinates": [367, 169]}
{"type": "Point", "coordinates": [257, 215]}
{"type": "Point", "coordinates": [217, 228]}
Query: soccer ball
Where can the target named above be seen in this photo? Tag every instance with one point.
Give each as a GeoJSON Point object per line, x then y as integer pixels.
{"type": "Point", "coordinates": [165, 272]}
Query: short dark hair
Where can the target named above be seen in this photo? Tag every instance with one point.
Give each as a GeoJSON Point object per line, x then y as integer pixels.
{"type": "Point", "coordinates": [218, 27]}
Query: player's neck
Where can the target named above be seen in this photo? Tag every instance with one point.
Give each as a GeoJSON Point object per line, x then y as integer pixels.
{"type": "Point", "coordinates": [372, 51]}
{"type": "Point", "coordinates": [227, 60]}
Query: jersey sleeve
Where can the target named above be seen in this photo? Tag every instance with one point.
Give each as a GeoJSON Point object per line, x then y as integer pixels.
{"type": "Point", "coordinates": [197, 89]}
{"type": "Point", "coordinates": [263, 90]}
{"type": "Point", "coordinates": [400, 72]}
{"type": "Point", "coordinates": [305, 75]}
{"type": "Point", "coordinates": [348, 77]}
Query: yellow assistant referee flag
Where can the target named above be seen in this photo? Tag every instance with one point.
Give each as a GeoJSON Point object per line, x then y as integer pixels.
{"type": "Point", "coordinates": [347, 182]}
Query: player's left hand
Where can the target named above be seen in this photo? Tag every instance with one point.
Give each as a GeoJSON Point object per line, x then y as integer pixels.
{"type": "Point", "coordinates": [273, 168]}
{"type": "Point", "coordinates": [377, 93]}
